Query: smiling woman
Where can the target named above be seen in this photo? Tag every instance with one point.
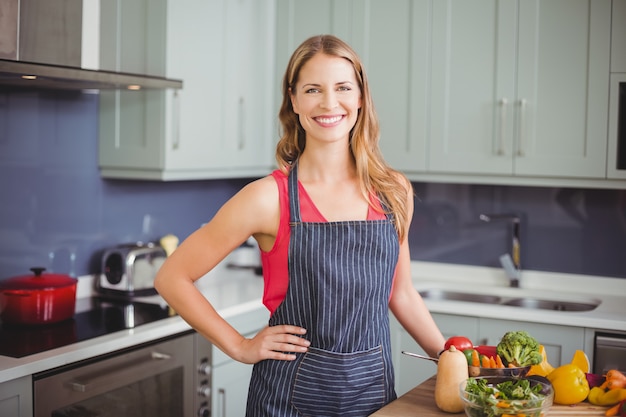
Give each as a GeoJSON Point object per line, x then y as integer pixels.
{"type": "Point", "coordinates": [326, 99]}
{"type": "Point", "coordinates": [331, 223]}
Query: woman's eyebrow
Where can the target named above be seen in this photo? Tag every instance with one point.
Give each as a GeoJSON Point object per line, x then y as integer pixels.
{"type": "Point", "coordinates": [319, 85]}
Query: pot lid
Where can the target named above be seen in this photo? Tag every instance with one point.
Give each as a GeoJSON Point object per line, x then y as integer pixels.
{"type": "Point", "coordinates": [37, 281]}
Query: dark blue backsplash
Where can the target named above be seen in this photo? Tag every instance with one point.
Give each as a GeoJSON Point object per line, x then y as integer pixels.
{"type": "Point", "coordinates": [58, 213]}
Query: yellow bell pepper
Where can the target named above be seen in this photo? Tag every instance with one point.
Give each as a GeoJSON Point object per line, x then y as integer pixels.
{"type": "Point", "coordinates": [543, 368]}
{"type": "Point", "coordinates": [600, 396]}
{"type": "Point", "coordinates": [569, 383]}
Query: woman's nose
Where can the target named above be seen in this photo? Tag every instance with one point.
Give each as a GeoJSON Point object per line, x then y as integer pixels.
{"type": "Point", "coordinates": [329, 100]}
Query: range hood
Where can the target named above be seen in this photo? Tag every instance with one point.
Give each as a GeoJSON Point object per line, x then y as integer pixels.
{"type": "Point", "coordinates": [56, 44]}
{"type": "Point", "coordinates": [35, 75]}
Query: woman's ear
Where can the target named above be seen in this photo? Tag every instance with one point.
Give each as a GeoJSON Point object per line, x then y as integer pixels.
{"type": "Point", "coordinates": [293, 101]}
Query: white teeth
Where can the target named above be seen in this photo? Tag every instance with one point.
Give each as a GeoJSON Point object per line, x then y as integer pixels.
{"type": "Point", "coordinates": [328, 120]}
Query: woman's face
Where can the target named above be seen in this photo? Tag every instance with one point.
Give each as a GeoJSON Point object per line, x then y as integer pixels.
{"type": "Point", "coordinates": [327, 98]}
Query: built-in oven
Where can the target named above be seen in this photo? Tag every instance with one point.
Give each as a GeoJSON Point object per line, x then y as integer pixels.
{"type": "Point", "coordinates": [609, 352]}
{"type": "Point", "coordinates": [170, 377]}
{"type": "Point", "coordinates": [167, 377]}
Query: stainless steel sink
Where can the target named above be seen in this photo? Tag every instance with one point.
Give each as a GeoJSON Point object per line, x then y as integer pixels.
{"type": "Point", "coordinates": [441, 295]}
{"type": "Point", "coordinates": [536, 303]}
{"type": "Point", "coordinates": [528, 302]}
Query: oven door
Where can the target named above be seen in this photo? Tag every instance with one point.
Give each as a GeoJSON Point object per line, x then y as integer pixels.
{"type": "Point", "coordinates": [154, 380]}
{"type": "Point", "coordinates": [610, 352]}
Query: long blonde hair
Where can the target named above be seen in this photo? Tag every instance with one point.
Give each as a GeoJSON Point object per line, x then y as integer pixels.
{"type": "Point", "coordinates": [374, 175]}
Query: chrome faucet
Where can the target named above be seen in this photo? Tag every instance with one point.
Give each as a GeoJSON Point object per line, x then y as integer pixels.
{"type": "Point", "coordinates": [515, 220]}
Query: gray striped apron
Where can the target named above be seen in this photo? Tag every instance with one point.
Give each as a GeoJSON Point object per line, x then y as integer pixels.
{"type": "Point", "coordinates": [340, 277]}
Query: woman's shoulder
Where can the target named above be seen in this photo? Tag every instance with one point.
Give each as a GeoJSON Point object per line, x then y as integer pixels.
{"type": "Point", "coordinates": [264, 188]}
{"type": "Point", "coordinates": [255, 206]}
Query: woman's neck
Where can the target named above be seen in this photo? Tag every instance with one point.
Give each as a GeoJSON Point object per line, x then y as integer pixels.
{"type": "Point", "coordinates": [326, 166]}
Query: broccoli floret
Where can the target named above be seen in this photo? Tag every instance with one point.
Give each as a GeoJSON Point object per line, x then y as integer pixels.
{"type": "Point", "coordinates": [519, 348]}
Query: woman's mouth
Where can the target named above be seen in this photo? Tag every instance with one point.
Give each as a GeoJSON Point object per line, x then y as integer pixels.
{"type": "Point", "coordinates": [328, 120]}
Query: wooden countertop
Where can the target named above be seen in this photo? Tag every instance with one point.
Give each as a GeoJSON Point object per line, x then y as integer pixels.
{"type": "Point", "coordinates": [420, 401]}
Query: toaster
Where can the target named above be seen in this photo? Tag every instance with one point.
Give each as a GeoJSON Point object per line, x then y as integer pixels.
{"type": "Point", "coordinates": [130, 269]}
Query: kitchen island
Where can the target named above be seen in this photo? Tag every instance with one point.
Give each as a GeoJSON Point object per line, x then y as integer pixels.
{"type": "Point", "coordinates": [420, 401]}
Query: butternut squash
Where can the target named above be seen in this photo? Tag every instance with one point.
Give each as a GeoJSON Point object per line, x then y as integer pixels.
{"type": "Point", "coordinates": [451, 371]}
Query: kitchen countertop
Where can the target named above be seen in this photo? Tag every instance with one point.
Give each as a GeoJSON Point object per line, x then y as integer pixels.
{"type": "Point", "coordinates": [231, 291]}
{"type": "Point", "coordinates": [420, 401]}
{"type": "Point", "coordinates": [236, 291]}
{"type": "Point", "coordinates": [610, 293]}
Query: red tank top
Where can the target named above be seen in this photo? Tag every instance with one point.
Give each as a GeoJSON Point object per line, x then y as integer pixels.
{"type": "Point", "coordinates": [275, 270]}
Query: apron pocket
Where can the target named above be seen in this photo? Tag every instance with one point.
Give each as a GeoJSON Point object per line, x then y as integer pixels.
{"type": "Point", "coordinates": [340, 384]}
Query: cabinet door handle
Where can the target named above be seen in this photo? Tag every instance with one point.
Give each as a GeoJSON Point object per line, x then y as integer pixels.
{"type": "Point", "coordinates": [176, 121]}
{"type": "Point", "coordinates": [502, 105]}
{"type": "Point", "coordinates": [521, 139]}
{"type": "Point", "coordinates": [242, 123]}
{"type": "Point", "coordinates": [222, 397]}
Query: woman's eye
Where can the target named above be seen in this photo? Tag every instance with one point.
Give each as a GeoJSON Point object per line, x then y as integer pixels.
{"type": "Point", "coordinates": [344, 88]}
{"type": "Point", "coordinates": [312, 90]}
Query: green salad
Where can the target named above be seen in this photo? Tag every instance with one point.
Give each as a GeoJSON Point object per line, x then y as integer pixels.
{"type": "Point", "coordinates": [513, 397]}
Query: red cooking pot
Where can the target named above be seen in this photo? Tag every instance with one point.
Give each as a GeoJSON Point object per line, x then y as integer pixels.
{"type": "Point", "coordinates": [37, 299]}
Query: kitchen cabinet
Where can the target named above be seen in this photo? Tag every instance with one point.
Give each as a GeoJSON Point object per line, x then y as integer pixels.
{"type": "Point", "coordinates": [519, 88]}
{"type": "Point", "coordinates": [219, 125]}
{"type": "Point", "coordinates": [16, 397]}
{"type": "Point", "coordinates": [298, 20]}
{"type": "Point", "coordinates": [410, 371]}
{"type": "Point", "coordinates": [229, 391]}
{"type": "Point", "coordinates": [618, 36]}
{"type": "Point", "coordinates": [483, 88]}
{"type": "Point", "coordinates": [397, 64]}
{"type": "Point", "coordinates": [398, 90]}
{"type": "Point", "coordinates": [560, 342]}
{"type": "Point", "coordinates": [615, 168]}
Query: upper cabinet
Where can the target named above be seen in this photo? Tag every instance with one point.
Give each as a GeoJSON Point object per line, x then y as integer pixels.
{"type": "Point", "coordinates": [220, 124]}
{"type": "Point", "coordinates": [392, 39]}
{"type": "Point", "coordinates": [616, 166]}
{"type": "Point", "coordinates": [484, 91]}
{"type": "Point", "coordinates": [520, 88]}
{"type": "Point", "coordinates": [296, 21]}
{"type": "Point", "coordinates": [618, 37]}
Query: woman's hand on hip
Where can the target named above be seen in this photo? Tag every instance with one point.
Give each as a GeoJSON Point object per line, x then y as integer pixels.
{"type": "Point", "coordinates": [280, 342]}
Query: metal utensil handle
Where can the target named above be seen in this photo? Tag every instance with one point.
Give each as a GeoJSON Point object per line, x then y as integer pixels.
{"type": "Point", "coordinates": [140, 369]}
{"type": "Point", "coordinates": [420, 356]}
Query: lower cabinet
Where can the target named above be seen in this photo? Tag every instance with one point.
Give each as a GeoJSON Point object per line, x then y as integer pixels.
{"type": "Point", "coordinates": [411, 371]}
{"type": "Point", "coordinates": [560, 343]}
{"type": "Point", "coordinates": [230, 388]}
{"type": "Point", "coordinates": [16, 397]}
{"type": "Point", "coordinates": [229, 391]}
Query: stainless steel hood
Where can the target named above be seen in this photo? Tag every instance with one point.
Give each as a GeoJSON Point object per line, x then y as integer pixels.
{"type": "Point", "coordinates": [33, 75]}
